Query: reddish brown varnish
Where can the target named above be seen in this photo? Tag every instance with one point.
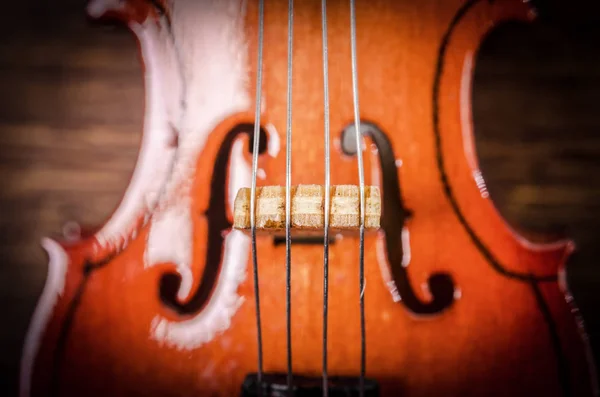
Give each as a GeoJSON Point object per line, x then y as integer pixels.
{"type": "Point", "coordinates": [497, 338]}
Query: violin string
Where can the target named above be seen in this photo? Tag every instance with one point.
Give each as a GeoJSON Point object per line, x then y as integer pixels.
{"type": "Point", "coordinates": [253, 194]}
{"type": "Point", "coordinates": [327, 193]}
{"type": "Point", "coordinates": [361, 181]}
{"type": "Point", "coordinates": [288, 200]}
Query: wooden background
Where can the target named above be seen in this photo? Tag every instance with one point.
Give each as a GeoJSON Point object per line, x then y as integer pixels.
{"type": "Point", "coordinates": [72, 107]}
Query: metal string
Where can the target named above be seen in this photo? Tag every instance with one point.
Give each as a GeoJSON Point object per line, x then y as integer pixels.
{"type": "Point", "coordinates": [288, 200]}
{"type": "Point", "coordinates": [361, 181]}
{"type": "Point", "coordinates": [327, 193]}
{"type": "Point", "coordinates": [253, 194]}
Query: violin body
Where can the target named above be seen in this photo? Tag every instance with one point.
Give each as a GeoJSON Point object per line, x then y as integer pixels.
{"type": "Point", "coordinates": [159, 300]}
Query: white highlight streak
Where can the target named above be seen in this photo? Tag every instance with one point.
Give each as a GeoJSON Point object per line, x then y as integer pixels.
{"type": "Point", "coordinates": [170, 241]}
{"type": "Point", "coordinates": [457, 293]}
{"type": "Point", "coordinates": [274, 144]}
{"type": "Point", "coordinates": [405, 247]}
{"type": "Point", "coordinates": [384, 268]}
{"type": "Point", "coordinates": [156, 155]}
{"type": "Point", "coordinates": [375, 170]}
{"type": "Point", "coordinates": [261, 174]}
{"type": "Point", "coordinates": [467, 124]}
{"type": "Point", "coordinates": [239, 172]}
{"type": "Point", "coordinates": [216, 316]}
{"type": "Point", "coordinates": [465, 111]}
{"type": "Point", "coordinates": [55, 284]}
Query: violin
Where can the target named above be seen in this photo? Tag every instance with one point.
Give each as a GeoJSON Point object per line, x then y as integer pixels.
{"type": "Point", "coordinates": [307, 217]}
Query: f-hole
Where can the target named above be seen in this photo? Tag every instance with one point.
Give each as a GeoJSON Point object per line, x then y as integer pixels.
{"type": "Point", "coordinates": [218, 224]}
{"type": "Point", "coordinates": [393, 217]}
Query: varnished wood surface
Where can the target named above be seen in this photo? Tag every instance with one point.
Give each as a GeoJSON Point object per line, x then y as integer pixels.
{"type": "Point", "coordinates": [70, 125]}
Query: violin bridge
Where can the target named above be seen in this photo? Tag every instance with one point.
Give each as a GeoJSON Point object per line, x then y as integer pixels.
{"type": "Point", "coordinates": [308, 208]}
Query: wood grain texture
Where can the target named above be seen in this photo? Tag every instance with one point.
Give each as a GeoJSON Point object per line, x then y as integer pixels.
{"type": "Point", "coordinates": [308, 208]}
{"type": "Point", "coordinates": [72, 109]}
